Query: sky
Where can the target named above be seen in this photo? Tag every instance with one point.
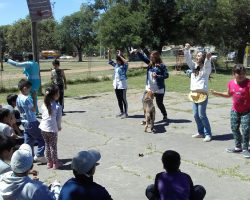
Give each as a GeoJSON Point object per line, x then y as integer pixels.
{"type": "Point", "coordinates": [13, 10]}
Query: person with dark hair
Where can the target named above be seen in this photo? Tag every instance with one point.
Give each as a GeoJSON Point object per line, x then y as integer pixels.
{"type": "Point", "coordinates": [174, 184]}
{"type": "Point", "coordinates": [59, 79]}
{"type": "Point", "coordinates": [6, 150]}
{"type": "Point", "coordinates": [239, 89]}
{"type": "Point", "coordinates": [120, 82]}
{"type": "Point", "coordinates": [156, 74]}
{"type": "Point", "coordinates": [11, 100]}
{"type": "Point", "coordinates": [201, 70]}
{"type": "Point", "coordinates": [31, 70]}
{"type": "Point", "coordinates": [6, 123]}
{"type": "Point", "coordinates": [82, 186]}
{"type": "Point", "coordinates": [27, 108]}
{"type": "Point", "coordinates": [50, 125]}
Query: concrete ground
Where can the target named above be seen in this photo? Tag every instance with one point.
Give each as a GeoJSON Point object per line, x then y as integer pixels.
{"type": "Point", "coordinates": [90, 123]}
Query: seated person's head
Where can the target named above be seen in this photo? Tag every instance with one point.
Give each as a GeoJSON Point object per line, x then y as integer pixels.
{"type": "Point", "coordinates": [24, 86]}
{"type": "Point", "coordinates": [22, 160]}
{"type": "Point", "coordinates": [84, 163]}
{"type": "Point", "coordinates": [6, 148]}
{"type": "Point", "coordinates": [5, 116]}
{"type": "Point", "coordinates": [11, 100]}
{"type": "Point", "coordinates": [171, 161]}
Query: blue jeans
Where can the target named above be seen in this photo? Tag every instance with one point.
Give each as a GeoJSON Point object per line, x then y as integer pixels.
{"type": "Point", "coordinates": [200, 116]}
{"type": "Point", "coordinates": [33, 134]}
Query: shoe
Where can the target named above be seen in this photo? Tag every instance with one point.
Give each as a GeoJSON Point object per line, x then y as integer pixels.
{"type": "Point", "coordinates": [119, 115]}
{"type": "Point", "coordinates": [208, 138]}
{"type": "Point", "coordinates": [246, 153]}
{"type": "Point", "coordinates": [57, 165]}
{"type": "Point", "coordinates": [41, 159]}
{"type": "Point", "coordinates": [233, 150]}
{"type": "Point", "coordinates": [125, 115]}
{"type": "Point", "coordinates": [197, 135]}
{"type": "Point", "coordinates": [165, 117]}
{"type": "Point", "coordinates": [143, 122]}
{"type": "Point", "coordinates": [49, 165]}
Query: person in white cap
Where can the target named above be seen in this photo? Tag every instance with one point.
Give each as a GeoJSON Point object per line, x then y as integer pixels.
{"type": "Point", "coordinates": [17, 185]}
{"type": "Point", "coordinates": [83, 186]}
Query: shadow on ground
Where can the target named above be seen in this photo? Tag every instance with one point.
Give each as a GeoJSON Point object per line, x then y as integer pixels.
{"type": "Point", "coordinates": [223, 137]}
{"type": "Point", "coordinates": [75, 111]}
{"type": "Point", "coordinates": [136, 116]}
{"type": "Point", "coordinates": [86, 97]}
{"type": "Point", "coordinates": [66, 164]}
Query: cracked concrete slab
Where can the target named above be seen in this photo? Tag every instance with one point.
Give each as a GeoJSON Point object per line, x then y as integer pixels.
{"type": "Point", "coordinates": [90, 123]}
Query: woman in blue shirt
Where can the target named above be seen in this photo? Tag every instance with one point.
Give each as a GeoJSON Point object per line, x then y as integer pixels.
{"type": "Point", "coordinates": [120, 82]}
{"type": "Point", "coordinates": [156, 75]}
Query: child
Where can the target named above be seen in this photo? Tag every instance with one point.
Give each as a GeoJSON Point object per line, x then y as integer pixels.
{"type": "Point", "coordinates": [6, 122]}
{"type": "Point", "coordinates": [11, 100]}
{"type": "Point", "coordinates": [27, 107]}
{"type": "Point", "coordinates": [58, 78]}
{"type": "Point", "coordinates": [50, 125]}
{"type": "Point", "coordinates": [239, 90]}
{"type": "Point", "coordinates": [201, 70]}
{"type": "Point", "coordinates": [174, 184]}
{"type": "Point", "coordinates": [120, 82]}
{"type": "Point", "coordinates": [6, 151]}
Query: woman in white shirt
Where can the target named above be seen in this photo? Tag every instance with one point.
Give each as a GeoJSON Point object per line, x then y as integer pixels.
{"type": "Point", "coordinates": [201, 69]}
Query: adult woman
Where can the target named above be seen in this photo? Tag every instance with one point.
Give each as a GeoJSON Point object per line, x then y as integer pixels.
{"type": "Point", "coordinates": [156, 75]}
{"type": "Point", "coordinates": [201, 70]}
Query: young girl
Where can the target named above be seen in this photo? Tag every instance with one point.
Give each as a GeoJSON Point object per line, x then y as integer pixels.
{"type": "Point", "coordinates": [58, 78]}
{"type": "Point", "coordinates": [239, 90]}
{"type": "Point", "coordinates": [201, 70]}
{"type": "Point", "coordinates": [156, 75]}
{"type": "Point", "coordinates": [120, 82]}
{"type": "Point", "coordinates": [50, 125]}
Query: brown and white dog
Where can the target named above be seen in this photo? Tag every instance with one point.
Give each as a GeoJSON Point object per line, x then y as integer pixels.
{"type": "Point", "coordinates": [149, 110]}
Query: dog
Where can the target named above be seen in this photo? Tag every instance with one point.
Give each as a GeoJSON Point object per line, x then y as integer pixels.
{"type": "Point", "coordinates": [149, 110]}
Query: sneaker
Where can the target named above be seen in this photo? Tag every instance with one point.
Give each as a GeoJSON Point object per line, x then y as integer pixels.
{"type": "Point", "coordinates": [246, 154]}
{"type": "Point", "coordinates": [57, 165]}
{"type": "Point", "coordinates": [49, 165]}
{"type": "Point", "coordinates": [119, 115]}
{"type": "Point", "coordinates": [233, 150]}
{"type": "Point", "coordinates": [208, 138]}
{"type": "Point", "coordinates": [41, 159]}
{"type": "Point", "coordinates": [197, 135]}
{"type": "Point", "coordinates": [125, 115]}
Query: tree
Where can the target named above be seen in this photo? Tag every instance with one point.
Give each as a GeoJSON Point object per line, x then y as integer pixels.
{"type": "Point", "coordinates": [3, 42]}
{"type": "Point", "coordinates": [78, 29]}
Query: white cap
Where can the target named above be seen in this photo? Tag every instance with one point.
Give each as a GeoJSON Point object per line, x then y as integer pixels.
{"type": "Point", "coordinates": [22, 159]}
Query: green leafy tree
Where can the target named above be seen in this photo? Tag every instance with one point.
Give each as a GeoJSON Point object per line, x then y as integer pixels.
{"type": "Point", "coordinates": [78, 29]}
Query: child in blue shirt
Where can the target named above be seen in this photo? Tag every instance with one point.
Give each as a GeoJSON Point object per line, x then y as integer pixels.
{"type": "Point", "coordinates": [27, 108]}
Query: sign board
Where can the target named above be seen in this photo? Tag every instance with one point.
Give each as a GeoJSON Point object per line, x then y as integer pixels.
{"type": "Point", "coordinates": [39, 9]}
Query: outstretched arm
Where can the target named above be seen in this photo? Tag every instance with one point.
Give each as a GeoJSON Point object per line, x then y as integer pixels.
{"type": "Point", "coordinates": [18, 64]}
{"type": "Point", "coordinates": [123, 59]}
{"type": "Point", "coordinates": [111, 62]}
{"type": "Point", "coordinates": [221, 94]}
{"type": "Point", "coordinates": [188, 57]}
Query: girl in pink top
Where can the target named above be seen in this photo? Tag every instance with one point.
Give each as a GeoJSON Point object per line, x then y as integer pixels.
{"type": "Point", "coordinates": [239, 90]}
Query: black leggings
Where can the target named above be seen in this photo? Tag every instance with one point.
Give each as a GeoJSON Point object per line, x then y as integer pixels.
{"type": "Point", "coordinates": [122, 100]}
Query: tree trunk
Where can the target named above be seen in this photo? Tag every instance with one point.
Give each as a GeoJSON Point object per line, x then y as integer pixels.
{"type": "Point", "coordinates": [79, 55]}
{"type": "Point", "coordinates": [241, 51]}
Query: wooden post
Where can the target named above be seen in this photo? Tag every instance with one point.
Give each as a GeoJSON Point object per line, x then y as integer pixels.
{"type": "Point", "coordinates": [35, 48]}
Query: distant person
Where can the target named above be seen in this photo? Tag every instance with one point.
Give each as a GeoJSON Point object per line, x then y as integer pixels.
{"type": "Point", "coordinates": [50, 125]}
{"type": "Point", "coordinates": [27, 107]}
{"type": "Point", "coordinates": [17, 185]}
{"type": "Point", "coordinates": [59, 79]}
{"type": "Point", "coordinates": [120, 82]}
{"type": "Point", "coordinates": [82, 186]}
{"type": "Point", "coordinates": [201, 70]}
{"type": "Point", "coordinates": [174, 184]}
{"type": "Point", "coordinates": [239, 89]}
{"type": "Point", "coordinates": [156, 74]}
{"type": "Point", "coordinates": [6, 150]}
{"type": "Point", "coordinates": [31, 71]}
